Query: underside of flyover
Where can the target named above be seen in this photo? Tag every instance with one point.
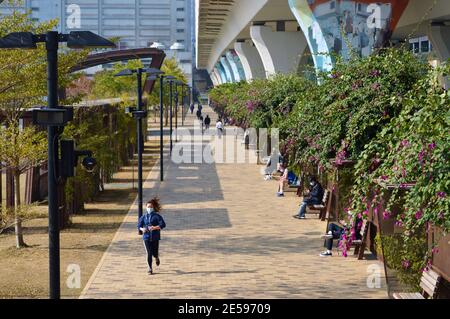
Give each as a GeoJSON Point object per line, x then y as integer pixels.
{"type": "Point", "coordinates": [284, 36]}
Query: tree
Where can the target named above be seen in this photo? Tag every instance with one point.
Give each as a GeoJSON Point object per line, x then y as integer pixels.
{"type": "Point", "coordinates": [23, 86]}
{"type": "Point", "coordinates": [21, 149]}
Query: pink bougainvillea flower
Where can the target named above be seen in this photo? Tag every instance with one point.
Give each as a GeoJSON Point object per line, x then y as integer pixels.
{"type": "Point", "coordinates": [376, 86]}
{"type": "Point", "coordinates": [435, 250]}
{"type": "Point", "coordinates": [404, 143]}
{"type": "Point", "coordinates": [418, 214]}
{"type": "Point", "coordinates": [375, 73]}
{"type": "Point", "coordinates": [406, 264]}
{"type": "Point", "coordinates": [441, 194]}
{"type": "Point", "coordinates": [384, 177]}
{"type": "Point", "coordinates": [432, 146]}
{"type": "Point", "coordinates": [399, 223]}
{"type": "Point", "coordinates": [386, 214]}
{"type": "Point", "coordinates": [421, 155]}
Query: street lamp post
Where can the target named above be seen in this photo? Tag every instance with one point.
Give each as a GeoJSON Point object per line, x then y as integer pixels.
{"type": "Point", "coordinates": [170, 79]}
{"type": "Point", "coordinates": [161, 133]}
{"type": "Point", "coordinates": [139, 114]}
{"type": "Point", "coordinates": [182, 104]}
{"type": "Point", "coordinates": [176, 110]}
{"type": "Point", "coordinates": [55, 118]}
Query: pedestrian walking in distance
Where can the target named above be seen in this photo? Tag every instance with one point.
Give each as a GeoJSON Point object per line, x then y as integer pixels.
{"type": "Point", "coordinates": [151, 224]}
{"type": "Point", "coordinates": [207, 122]}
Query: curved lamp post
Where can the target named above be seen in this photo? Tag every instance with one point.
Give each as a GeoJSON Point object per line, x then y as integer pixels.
{"type": "Point", "coordinates": [139, 114]}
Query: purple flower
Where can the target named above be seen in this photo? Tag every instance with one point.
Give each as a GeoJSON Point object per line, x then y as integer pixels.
{"type": "Point", "coordinates": [419, 214]}
{"type": "Point", "coordinates": [421, 156]}
{"type": "Point", "coordinates": [384, 177]}
{"type": "Point", "coordinates": [399, 223]}
{"type": "Point", "coordinates": [375, 73]}
{"type": "Point", "coordinates": [335, 75]}
{"type": "Point", "coordinates": [432, 146]}
{"type": "Point", "coordinates": [250, 106]}
{"type": "Point", "coordinates": [404, 143]}
{"type": "Point", "coordinates": [441, 194]}
{"type": "Point", "coordinates": [406, 264]}
{"type": "Point", "coordinates": [376, 86]}
{"type": "Point", "coordinates": [386, 214]}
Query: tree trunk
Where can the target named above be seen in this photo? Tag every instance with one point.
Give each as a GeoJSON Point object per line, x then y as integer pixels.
{"type": "Point", "coordinates": [18, 222]}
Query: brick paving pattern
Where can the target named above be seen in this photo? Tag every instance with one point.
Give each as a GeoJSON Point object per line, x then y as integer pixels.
{"type": "Point", "coordinates": [227, 236]}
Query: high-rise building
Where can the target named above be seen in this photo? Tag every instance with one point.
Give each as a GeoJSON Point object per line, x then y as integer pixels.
{"type": "Point", "coordinates": [137, 23]}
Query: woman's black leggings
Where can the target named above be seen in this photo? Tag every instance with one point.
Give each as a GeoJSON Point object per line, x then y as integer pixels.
{"type": "Point", "coordinates": [152, 248]}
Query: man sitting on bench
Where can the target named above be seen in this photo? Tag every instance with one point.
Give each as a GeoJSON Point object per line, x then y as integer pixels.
{"type": "Point", "coordinates": [335, 231]}
{"type": "Point", "coordinates": [314, 197]}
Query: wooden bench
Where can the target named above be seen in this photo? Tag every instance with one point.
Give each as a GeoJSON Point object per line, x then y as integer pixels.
{"type": "Point", "coordinates": [429, 283]}
{"type": "Point", "coordinates": [360, 244]}
{"type": "Point", "coordinates": [322, 208]}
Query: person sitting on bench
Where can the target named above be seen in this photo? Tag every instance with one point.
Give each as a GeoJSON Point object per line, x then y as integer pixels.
{"type": "Point", "coordinates": [272, 164]}
{"type": "Point", "coordinates": [336, 231]}
{"type": "Point", "coordinates": [314, 197]}
{"type": "Point", "coordinates": [283, 179]}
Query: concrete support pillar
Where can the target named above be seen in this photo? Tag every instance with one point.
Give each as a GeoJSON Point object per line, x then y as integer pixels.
{"type": "Point", "coordinates": [236, 65]}
{"type": "Point", "coordinates": [227, 68]}
{"type": "Point", "coordinates": [439, 36]}
{"type": "Point", "coordinates": [280, 51]}
{"type": "Point", "coordinates": [251, 60]}
{"type": "Point", "coordinates": [215, 77]}
{"type": "Point", "coordinates": [221, 71]}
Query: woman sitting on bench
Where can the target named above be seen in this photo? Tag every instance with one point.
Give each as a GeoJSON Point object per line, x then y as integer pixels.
{"type": "Point", "coordinates": [315, 197]}
{"type": "Point", "coordinates": [283, 179]}
{"type": "Point", "coordinates": [336, 231]}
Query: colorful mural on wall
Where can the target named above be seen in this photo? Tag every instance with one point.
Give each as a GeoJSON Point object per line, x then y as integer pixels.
{"type": "Point", "coordinates": [340, 26]}
{"type": "Point", "coordinates": [221, 71]}
{"type": "Point", "coordinates": [236, 65]}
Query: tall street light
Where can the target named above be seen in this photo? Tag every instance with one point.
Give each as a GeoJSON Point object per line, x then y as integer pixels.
{"type": "Point", "coordinates": [161, 128]}
{"type": "Point", "coordinates": [139, 114]}
{"type": "Point", "coordinates": [177, 101]}
{"type": "Point", "coordinates": [55, 118]}
{"type": "Point", "coordinates": [170, 79]}
{"type": "Point", "coordinates": [182, 103]}
{"type": "Point", "coordinates": [161, 123]}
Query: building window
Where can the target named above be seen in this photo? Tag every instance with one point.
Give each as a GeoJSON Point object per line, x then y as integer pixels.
{"type": "Point", "coordinates": [180, 9]}
{"type": "Point", "coordinates": [180, 30]}
{"type": "Point", "coordinates": [420, 45]}
{"type": "Point", "coordinates": [180, 20]}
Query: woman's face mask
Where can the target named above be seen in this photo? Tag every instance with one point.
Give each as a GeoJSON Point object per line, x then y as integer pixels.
{"type": "Point", "coordinates": [149, 210]}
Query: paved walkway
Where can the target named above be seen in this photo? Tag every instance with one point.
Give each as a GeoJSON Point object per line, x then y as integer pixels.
{"type": "Point", "coordinates": [227, 236]}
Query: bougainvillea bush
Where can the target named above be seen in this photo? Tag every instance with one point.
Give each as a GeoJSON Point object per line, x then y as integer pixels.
{"type": "Point", "coordinates": [260, 103]}
{"type": "Point", "coordinates": [412, 153]}
{"type": "Point", "coordinates": [337, 118]}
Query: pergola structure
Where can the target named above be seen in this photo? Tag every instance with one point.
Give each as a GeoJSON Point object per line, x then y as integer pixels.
{"type": "Point", "coordinates": [156, 55]}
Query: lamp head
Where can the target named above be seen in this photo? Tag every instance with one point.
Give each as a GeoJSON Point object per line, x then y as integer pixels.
{"type": "Point", "coordinates": [125, 72]}
{"type": "Point", "coordinates": [18, 40]}
{"type": "Point", "coordinates": [87, 39]}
